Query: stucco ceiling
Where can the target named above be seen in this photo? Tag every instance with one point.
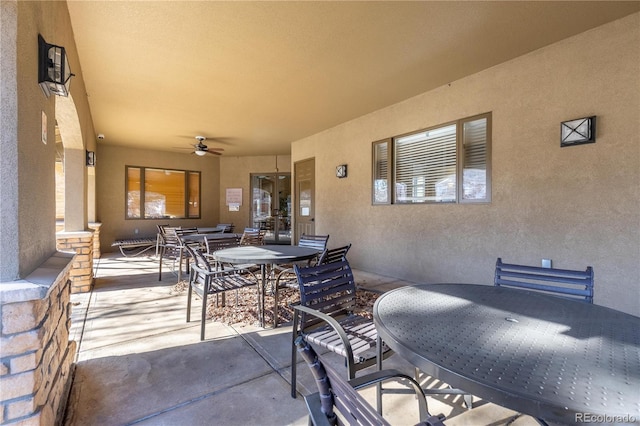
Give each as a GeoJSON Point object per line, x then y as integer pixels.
{"type": "Point", "coordinates": [255, 76]}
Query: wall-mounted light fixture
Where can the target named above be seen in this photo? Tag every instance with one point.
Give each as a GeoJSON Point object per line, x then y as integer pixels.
{"type": "Point", "coordinates": [341, 171]}
{"type": "Point", "coordinates": [578, 131]}
{"type": "Point", "coordinates": [91, 158]}
{"type": "Point", "coordinates": [54, 74]}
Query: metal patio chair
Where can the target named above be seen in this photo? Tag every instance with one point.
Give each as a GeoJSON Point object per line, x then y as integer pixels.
{"type": "Point", "coordinates": [170, 247]}
{"type": "Point", "coordinates": [338, 402]}
{"type": "Point", "coordinates": [284, 276]}
{"type": "Point", "coordinates": [325, 318]}
{"type": "Point", "coordinates": [206, 280]}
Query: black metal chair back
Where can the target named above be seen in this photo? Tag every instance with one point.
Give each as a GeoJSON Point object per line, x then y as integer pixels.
{"type": "Point", "coordinates": [214, 244]}
{"type": "Point", "coordinates": [252, 237]}
{"type": "Point", "coordinates": [227, 228]}
{"type": "Point", "coordinates": [318, 242]}
{"type": "Point", "coordinates": [328, 288]}
{"type": "Point", "coordinates": [334, 255]}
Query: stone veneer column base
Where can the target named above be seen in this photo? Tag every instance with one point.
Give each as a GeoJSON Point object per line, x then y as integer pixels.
{"type": "Point", "coordinates": [81, 243]}
{"type": "Point", "coordinates": [36, 356]}
{"type": "Point", "coordinates": [95, 226]}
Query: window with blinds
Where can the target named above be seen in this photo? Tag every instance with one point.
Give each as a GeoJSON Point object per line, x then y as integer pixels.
{"type": "Point", "coordinates": [474, 160]}
{"type": "Point", "coordinates": [444, 164]}
{"type": "Point", "coordinates": [381, 176]}
{"type": "Point", "coordinates": [162, 193]}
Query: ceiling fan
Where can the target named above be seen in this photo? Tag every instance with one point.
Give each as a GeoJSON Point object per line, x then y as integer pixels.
{"type": "Point", "coordinates": [201, 149]}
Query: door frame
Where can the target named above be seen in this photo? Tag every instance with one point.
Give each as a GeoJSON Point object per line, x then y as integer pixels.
{"type": "Point", "coordinates": [300, 226]}
{"type": "Point", "coordinates": [274, 206]}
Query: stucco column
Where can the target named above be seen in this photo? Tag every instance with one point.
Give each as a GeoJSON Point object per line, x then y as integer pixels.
{"type": "Point", "coordinates": [75, 195]}
{"type": "Point", "coordinates": [9, 213]}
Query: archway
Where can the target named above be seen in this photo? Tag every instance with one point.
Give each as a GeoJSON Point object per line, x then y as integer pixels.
{"type": "Point", "coordinates": [69, 134]}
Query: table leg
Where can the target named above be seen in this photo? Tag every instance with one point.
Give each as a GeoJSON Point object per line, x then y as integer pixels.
{"type": "Point", "coordinates": [180, 264]}
{"type": "Point", "coordinates": [261, 293]}
{"type": "Point", "coordinates": [379, 365]}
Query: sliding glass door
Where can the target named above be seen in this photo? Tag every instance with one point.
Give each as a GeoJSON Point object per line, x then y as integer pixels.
{"type": "Point", "coordinates": [271, 206]}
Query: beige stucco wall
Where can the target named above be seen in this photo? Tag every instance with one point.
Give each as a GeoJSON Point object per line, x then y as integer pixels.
{"type": "Point", "coordinates": [110, 190]}
{"type": "Point", "coordinates": [235, 172]}
{"type": "Point", "coordinates": [218, 174]}
{"type": "Point", "coordinates": [578, 206]}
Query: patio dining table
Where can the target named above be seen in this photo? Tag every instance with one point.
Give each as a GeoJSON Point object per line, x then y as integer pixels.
{"type": "Point", "coordinates": [555, 359]}
{"type": "Point", "coordinates": [266, 256]}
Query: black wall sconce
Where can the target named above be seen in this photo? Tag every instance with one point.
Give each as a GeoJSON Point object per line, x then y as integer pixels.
{"type": "Point", "coordinates": [578, 131]}
{"type": "Point", "coordinates": [341, 171]}
{"type": "Point", "coordinates": [91, 158]}
{"type": "Point", "coordinates": [54, 74]}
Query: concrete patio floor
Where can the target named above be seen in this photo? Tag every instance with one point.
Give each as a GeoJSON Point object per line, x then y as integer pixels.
{"type": "Point", "coordinates": [139, 362]}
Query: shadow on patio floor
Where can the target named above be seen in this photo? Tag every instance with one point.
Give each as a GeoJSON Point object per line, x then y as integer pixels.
{"type": "Point", "coordinates": [140, 362]}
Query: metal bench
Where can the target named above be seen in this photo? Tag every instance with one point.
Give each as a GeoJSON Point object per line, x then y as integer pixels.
{"type": "Point", "coordinates": [135, 246]}
{"type": "Point", "coordinates": [566, 283]}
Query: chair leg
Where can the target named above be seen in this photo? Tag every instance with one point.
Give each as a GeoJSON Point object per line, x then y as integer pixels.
{"type": "Point", "coordinates": [468, 401]}
{"type": "Point", "coordinates": [180, 264]}
{"type": "Point", "coordinates": [204, 313]}
{"type": "Point", "coordinates": [294, 355]}
{"type": "Point", "coordinates": [189, 293]}
{"type": "Point", "coordinates": [275, 305]}
{"type": "Point", "coordinates": [379, 367]}
{"type": "Point", "coordinates": [160, 264]}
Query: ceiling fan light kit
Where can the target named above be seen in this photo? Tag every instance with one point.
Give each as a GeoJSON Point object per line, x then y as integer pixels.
{"type": "Point", "coordinates": [201, 149]}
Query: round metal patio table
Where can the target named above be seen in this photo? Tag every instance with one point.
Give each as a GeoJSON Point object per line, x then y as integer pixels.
{"type": "Point", "coordinates": [266, 256]}
{"type": "Point", "coordinates": [554, 359]}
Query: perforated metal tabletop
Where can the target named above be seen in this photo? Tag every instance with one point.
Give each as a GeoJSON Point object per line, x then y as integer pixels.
{"type": "Point", "coordinates": [266, 256]}
{"type": "Point", "coordinates": [554, 359]}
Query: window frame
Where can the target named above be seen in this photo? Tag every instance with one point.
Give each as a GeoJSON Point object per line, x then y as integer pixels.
{"type": "Point", "coordinates": [375, 200]}
{"type": "Point", "coordinates": [186, 193]}
{"type": "Point", "coordinates": [392, 157]}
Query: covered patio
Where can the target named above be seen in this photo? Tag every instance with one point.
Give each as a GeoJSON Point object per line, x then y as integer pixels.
{"type": "Point", "coordinates": [299, 89]}
{"type": "Point", "coordinates": [139, 362]}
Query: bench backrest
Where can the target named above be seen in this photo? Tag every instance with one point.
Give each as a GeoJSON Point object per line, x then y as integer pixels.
{"type": "Point", "coordinates": [567, 283]}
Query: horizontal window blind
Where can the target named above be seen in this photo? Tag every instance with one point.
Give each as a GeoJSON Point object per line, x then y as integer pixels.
{"type": "Point", "coordinates": [381, 173]}
{"type": "Point", "coordinates": [474, 176]}
{"type": "Point", "coordinates": [450, 163]}
{"type": "Point", "coordinates": [426, 166]}
{"type": "Point", "coordinates": [475, 144]}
